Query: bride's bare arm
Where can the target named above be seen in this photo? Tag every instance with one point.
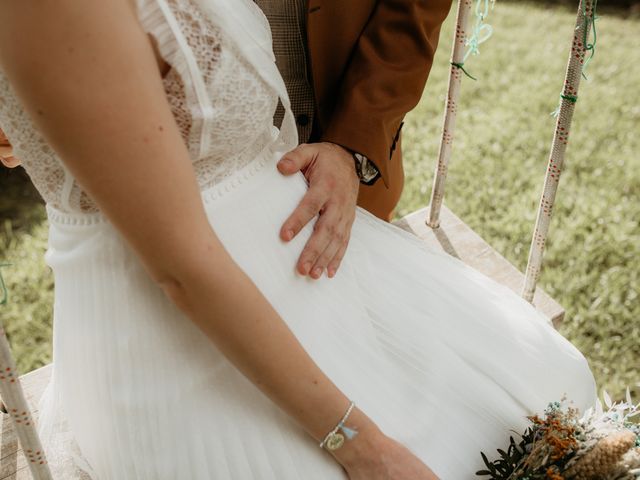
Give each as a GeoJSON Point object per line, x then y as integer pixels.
{"type": "Point", "coordinates": [87, 74]}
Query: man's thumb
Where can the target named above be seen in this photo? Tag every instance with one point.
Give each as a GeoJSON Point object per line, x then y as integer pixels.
{"type": "Point", "coordinates": [293, 162]}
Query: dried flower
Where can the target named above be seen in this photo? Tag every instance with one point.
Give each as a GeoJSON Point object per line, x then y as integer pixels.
{"type": "Point", "coordinates": [552, 474]}
{"type": "Point", "coordinates": [600, 445]}
{"type": "Point", "coordinates": [602, 460]}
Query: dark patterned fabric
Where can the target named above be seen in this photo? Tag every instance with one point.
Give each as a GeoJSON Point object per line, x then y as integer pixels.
{"type": "Point", "coordinates": [288, 26]}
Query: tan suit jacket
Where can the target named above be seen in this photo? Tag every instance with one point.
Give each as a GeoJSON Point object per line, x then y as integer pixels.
{"type": "Point", "coordinates": [369, 61]}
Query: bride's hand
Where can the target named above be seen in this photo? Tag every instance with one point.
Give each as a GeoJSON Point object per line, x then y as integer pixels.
{"type": "Point", "coordinates": [6, 152]}
{"type": "Point", "coordinates": [386, 459]}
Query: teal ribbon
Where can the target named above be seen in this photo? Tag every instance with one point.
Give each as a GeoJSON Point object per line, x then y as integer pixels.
{"type": "Point", "coordinates": [461, 67]}
{"type": "Point", "coordinates": [3, 287]}
{"type": "Point", "coordinates": [569, 98]}
{"type": "Point", "coordinates": [480, 33]}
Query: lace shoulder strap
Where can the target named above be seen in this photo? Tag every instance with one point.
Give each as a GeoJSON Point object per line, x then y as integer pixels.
{"type": "Point", "coordinates": [157, 18]}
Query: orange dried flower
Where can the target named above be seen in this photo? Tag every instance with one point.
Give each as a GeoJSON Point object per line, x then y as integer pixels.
{"type": "Point", "coordinates": [552, 474]}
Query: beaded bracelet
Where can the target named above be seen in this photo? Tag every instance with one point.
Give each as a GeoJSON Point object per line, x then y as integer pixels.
{"type": "Point", "coordinates": [335, 440]}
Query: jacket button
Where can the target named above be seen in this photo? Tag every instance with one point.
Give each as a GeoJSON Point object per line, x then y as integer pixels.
{"type": "Point", "coordinates": [303, 119]}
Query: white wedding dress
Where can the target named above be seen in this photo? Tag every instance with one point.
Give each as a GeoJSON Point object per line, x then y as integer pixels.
{"type": "Point", "coordinates": [442, 358]}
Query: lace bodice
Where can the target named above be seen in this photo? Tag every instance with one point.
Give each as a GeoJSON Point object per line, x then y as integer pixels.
{"type": "Point", "coordinates": [224, 128]}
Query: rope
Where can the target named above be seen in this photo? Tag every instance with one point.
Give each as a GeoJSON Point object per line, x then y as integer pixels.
{"type": "Point", "coordinates": [589, 46]}
{"type": "Point", "coordinates": [465, 43]}
{"type": "Point", "coordinates": [568, 99]}
{"type": "Point", "coordinates": [16, 406]}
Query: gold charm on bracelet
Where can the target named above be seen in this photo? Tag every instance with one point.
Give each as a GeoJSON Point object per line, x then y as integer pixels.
{"type": "Point", "coordinates": [335, 441]}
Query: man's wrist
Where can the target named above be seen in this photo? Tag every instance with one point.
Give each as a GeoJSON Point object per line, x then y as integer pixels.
{"type": "Point", "coordinates": [367, 172]}
{"type": "Point", "coordinates": [365, 169]}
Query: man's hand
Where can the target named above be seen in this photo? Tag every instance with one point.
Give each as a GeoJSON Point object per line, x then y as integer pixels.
{"type": "Point", "coordinates": [333, 193]}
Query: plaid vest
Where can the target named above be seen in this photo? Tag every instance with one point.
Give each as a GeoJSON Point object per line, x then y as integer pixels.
{"type": "Point", "coordinates": [289, 30]}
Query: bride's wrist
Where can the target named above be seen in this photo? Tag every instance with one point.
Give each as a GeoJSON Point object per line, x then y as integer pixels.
{"type": "Point", "coordinates": [363, 445]}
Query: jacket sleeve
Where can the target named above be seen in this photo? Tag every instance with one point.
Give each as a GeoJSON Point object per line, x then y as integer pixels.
{"type": "Point", "coordinates": [385, 77]}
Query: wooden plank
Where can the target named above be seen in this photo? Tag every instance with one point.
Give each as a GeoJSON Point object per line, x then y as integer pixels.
{"type": "Point", "coordinates": [456, 238]}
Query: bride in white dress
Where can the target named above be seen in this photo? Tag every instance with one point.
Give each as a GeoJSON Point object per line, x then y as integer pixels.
{"type": "Point", "coordinates": [186, 346]}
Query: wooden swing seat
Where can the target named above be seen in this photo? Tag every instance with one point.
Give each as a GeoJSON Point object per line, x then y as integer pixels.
{"type": "Point", "coordinates": [453, 236]}
{"type": "Point", "coordinates": [457, 239]}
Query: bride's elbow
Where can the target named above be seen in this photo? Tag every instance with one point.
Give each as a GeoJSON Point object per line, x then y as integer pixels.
{"type": "Point", "coordinates": [174, 289]}
{"type": "Point", "coordinates": [189, 283]}
{"type": "Point", "coordinates": [192, 273]}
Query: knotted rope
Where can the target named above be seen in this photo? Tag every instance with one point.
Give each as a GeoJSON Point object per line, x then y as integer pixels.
{"type": "Point", "coordinates": [564, 113]}
{"type": "Point", "coordinates": [464, 44]}
{"type": "Point", "coordinates": [480, 33]}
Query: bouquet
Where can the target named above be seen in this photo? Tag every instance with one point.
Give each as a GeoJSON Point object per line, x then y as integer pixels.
{"type": "Point", "coordinates": [600, 445]}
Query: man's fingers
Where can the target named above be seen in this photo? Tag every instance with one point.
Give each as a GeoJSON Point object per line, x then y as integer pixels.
{"type": "Point", "coordinates": [317, 244]}
{"type": "Point", "coordinates": [337, 259]}
{"type": "Point", "coordinates": [329, 253]}
{"type": "Point", "coordinates": [307, 209]}
{"type": "Point", "coordinates": [295, 160]}
{"type": "Point", "coordinates": [326, 230]}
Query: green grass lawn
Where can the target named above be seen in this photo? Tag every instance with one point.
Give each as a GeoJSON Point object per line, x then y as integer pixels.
{"type": "Point", "coordinates": [504, 133]}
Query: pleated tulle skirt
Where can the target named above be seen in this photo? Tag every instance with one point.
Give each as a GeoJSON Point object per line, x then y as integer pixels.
{"type": "Point", "coordinates": [442, 358]}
